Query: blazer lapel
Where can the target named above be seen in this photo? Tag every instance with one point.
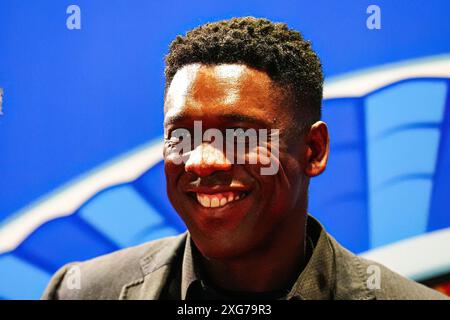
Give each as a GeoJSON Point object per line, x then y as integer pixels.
{"type": "Point", "coordinates": [156, 268]}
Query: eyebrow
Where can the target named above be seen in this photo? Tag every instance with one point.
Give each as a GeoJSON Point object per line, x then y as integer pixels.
{"type": "Point", "coordinates": [177, 118]}
{"type": "Point", "coordinates": [229, 117]}
{"type": "Point", "coordinates": [237, 117]}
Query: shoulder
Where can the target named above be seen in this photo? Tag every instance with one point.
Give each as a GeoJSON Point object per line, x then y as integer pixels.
{"type": "Point", "coordinates": [104, 277]}
{"type": "Point", "coordinates": [393, 286]}
{"type": "Point", "coordinates": [357, 277]}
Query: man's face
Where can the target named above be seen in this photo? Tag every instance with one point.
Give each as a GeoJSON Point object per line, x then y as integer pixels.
{"type": "Point", "coordinates": [231, 209]}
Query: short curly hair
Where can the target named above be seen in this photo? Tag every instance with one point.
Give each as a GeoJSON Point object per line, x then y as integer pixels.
{"type": "Point", "coordinates": [281, 52]}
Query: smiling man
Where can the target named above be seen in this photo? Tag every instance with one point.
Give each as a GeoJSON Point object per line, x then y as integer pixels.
{"type": "Point", "coordinates": [250, 235]}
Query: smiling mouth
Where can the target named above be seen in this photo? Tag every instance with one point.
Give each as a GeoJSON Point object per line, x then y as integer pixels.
{"type": "Point", "coordinates": [219, 199]}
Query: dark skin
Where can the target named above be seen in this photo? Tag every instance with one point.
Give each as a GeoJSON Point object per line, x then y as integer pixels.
{"type": "Point", "coordinates": [256, 243]}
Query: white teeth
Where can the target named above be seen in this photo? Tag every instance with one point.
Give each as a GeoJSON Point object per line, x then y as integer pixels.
{"type": "Point", "coordinates": [212, 201]}
{"type": "Point", "coordinates": [204, 201]}
{"type": "Point", "coordinates": [215, 203]}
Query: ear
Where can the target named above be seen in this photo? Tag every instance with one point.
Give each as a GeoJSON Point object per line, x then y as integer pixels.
{"type": "Point", "coordinates": [317, 149]}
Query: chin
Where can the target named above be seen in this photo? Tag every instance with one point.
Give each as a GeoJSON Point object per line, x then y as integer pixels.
{"type": "Point", "coordinates": [225, 244]}
{"type": "Point", "coordinates": [221, 250]}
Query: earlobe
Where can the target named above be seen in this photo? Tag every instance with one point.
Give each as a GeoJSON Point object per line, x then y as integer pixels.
{"type": "Point", "coordinates": [317, 149]}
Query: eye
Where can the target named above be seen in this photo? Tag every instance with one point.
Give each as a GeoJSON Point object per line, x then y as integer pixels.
{"type": "Point", "coordinates": [177, 135]}
{"type": "Point", "coordinates": [173, 140]}
{"type": "Point", "coordinates": [240, 133]}
{"type": "Point", "coordinates": [235, 131]}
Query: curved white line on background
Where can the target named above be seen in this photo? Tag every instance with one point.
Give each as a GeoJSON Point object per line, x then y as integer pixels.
{"type": "Point", "coordinates": [360, 83]}
{"type": "Point", "coordinates": [68, 199]}
{"type": "Point", "coordinates": [419, 258]}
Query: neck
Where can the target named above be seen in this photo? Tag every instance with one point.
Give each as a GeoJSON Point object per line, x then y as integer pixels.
{"type": "Point", "coordinates": [272, 266]}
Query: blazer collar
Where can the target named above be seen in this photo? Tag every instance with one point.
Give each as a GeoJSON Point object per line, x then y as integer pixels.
{"type": "Point", "coordinates": [156, 268]}
{"type": "Point", "coordinates": [332, 272]}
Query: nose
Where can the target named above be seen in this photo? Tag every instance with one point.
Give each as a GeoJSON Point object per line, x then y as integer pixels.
{"type": "Point", "coordinates": [206, 159]}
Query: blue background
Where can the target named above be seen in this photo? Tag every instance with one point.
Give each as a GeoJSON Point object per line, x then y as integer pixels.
{"type": "Point", "coordinates": [75, 99]}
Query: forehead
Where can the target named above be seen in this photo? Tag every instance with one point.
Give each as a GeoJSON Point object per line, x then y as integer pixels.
{"type": "Point", "coordinates": [211, 90]}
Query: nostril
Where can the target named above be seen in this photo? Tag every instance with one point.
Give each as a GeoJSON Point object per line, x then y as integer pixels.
{"type": "Point", "coordinates": [203, 170]}
{"type": "Point", "coordinates": [206, 159]}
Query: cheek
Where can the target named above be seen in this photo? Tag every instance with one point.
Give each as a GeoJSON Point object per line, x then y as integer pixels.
{"type": "Point", "coordinates": [172, 172]}
{"type": "Point", "coordinates": [172, 156]}
{"type": "Point", "coordinates": [284, 187]}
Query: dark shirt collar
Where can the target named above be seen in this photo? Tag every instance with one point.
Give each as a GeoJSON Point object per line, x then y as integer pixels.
{"type": "Point", "coordinates": [190, 273]}
{"type": "Point", "coordinates": [316, 280]}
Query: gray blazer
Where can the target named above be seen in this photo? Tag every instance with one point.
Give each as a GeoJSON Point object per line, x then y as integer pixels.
{"type": "Point", "coordinates": [141, 272]}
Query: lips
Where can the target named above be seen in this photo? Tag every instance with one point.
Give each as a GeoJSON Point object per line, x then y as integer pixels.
{"type": "Point", "coordinates": [219, 199]}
